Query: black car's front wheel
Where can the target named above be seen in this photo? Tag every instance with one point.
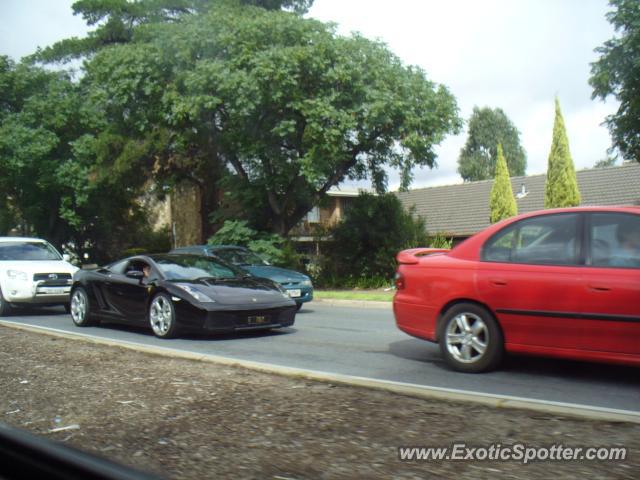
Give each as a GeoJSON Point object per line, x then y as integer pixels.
{"type": "Point", "coordinates": [79, 308]}
{"type": "Point", "coordinates": [470, 338]}
{"type": "Point", "coordinates": [162, 316]}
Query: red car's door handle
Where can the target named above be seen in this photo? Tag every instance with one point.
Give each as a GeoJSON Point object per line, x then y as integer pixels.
{"type": "Point", "coordinates": [500, 282]}
{"type": "Point", "coordinates": [599, 288]}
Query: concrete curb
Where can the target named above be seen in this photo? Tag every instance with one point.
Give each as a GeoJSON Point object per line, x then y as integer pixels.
{"type": "Point", "coordinates": [412, 390]}
{"type": "Point", "coordinates": [334, 302]}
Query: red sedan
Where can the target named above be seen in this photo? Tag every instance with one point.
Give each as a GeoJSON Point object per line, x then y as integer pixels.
{"type": "Point", "coordinates": [560, 283]}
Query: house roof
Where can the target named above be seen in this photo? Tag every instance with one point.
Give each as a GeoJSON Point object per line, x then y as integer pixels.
{"type": "Point", "coordinates": [462, 210]}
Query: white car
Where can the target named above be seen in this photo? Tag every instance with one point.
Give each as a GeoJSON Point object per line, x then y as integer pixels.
{"type": "Point", "coordinates": [33, 272]}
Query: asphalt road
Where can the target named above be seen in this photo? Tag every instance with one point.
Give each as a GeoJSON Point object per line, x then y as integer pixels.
{"type": "Point", "coordinates": [364, 342]}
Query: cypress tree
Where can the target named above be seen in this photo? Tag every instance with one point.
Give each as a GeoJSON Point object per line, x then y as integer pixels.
{"type": "Point", "coordinates": [561, 188]}
{"type": "Point", "coordinates": [502, 203]}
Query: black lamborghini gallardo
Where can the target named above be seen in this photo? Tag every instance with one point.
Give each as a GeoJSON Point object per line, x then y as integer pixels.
{"type": "Point", "coordinates": [170, 293]}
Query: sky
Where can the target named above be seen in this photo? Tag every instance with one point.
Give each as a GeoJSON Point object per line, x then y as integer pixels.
{"type": "Point", "coordinates": [517, 55]}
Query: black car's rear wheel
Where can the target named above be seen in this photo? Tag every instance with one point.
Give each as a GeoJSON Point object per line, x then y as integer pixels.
{"type": "Point", "coordinates": [5, 308]}
{"type": "Point", "coordinates": [79, 307]}
{"type": "Point", "coordinates": [470, 338]}
{"type": "Point", "coordinates": [162, 316]}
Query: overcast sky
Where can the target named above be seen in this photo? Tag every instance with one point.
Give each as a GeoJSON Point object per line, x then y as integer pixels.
{"type": "Point", "coordinates": [513, 54]}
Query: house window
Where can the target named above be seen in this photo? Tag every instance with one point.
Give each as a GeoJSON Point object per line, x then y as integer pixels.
{"type": "Point", "coordinates": [314, 215]}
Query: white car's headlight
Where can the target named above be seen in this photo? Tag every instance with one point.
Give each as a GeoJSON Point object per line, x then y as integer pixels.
{"type": "Point", "coordinates": [17, 275]}
{"type": "Point", "coordinates": [195, 293]}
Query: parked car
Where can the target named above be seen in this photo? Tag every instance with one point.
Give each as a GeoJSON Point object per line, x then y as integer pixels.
{"type": "Point", "coordinates": [170, 293]}
{"type": "Point", "coordinates": [560, 283]}
{"type": "Point", "coordinates": [32, 272]}
{"type": "Point", "coordinates": [297, 285]}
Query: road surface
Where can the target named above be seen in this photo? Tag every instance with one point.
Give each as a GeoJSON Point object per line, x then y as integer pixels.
{"type": "Point", "coordinates": [364, 342]}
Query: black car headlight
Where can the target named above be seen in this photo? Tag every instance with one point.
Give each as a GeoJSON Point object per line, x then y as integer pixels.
{"type": "Point", "coordinates": [195, 293]}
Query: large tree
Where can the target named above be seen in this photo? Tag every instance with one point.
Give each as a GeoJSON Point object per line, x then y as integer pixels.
{"type": "Point", "coordinates": [617, 73]}
{"type": "Point", "coordinates": [561, 186]}
{"type": "Point", "coordinates": [488, 128]}
{"type": "Point", "coordinates": [502, 203]}
{"type": "Point", "coordinates": [289, 107]}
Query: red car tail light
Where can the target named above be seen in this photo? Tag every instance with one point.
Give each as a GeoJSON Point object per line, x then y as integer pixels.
{"type": "Point", "coordinates": [399, 281]}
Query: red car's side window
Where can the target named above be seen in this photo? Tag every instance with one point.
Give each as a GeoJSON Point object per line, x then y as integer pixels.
{"type": "Point", "coordinates": [615, 240]}
{"type": "Point", "coordinates": [543, 240]}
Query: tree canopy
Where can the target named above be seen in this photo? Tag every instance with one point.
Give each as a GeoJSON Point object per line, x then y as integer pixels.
{"type": "Point", "coordinates": [561, 186]}
{"type": "Point", "coordinates": [255, 106]}
{"type": "Point", "coordinates": [617, 73]}
{"type": "Point", "coordinates": [287, 106]}
{"type": "Point", "coordinates": [488, 128]}
{"type": "Point", "coordinates": [116, 21]}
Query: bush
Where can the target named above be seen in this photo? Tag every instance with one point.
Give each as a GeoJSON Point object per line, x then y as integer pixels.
{"type": "Point", "coordinates": [365, 244]}
{"type": "Point", "coordinates": [273, 248]}
{"type": "Point", "coordinates": [440, 240]}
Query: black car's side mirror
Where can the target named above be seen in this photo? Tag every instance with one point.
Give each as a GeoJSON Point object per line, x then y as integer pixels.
{"type": "Point", "coordinates": [137, 274]}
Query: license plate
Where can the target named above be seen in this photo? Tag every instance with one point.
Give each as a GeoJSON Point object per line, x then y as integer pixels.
{"type": "Point", "coordinates": [294, 293]}
{"type": "Point", "coordinates": [52, 290]}
{"type": "Point", "coordinates": [258, 319]}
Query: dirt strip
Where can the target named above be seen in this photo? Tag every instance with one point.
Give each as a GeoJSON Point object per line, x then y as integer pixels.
{"type": "Point", "coordinates": [188, 419]}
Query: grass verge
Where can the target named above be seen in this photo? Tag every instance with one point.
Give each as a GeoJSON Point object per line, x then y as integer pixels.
{"type": "Point", "coordinates": [371, 295]}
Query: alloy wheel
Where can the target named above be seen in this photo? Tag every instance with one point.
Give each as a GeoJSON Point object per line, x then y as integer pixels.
{"type": "Point", "coordinates": [467, 337]}
{"type": "Point", "coordinates": [161, 315]}
{"type": "Point", "coordinates": [79, 307]}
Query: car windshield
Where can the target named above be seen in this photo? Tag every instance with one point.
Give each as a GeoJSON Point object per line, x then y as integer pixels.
{"type": "Point", "coordinates": [28, 251]}
{"type": "Point", "coordinates": [238, 256]}
{"type": "Point", "coordinates": [192, 267]}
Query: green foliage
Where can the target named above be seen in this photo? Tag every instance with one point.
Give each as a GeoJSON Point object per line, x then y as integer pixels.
{"type": "Point", "coordinates": [116, 21]}
{"type": "Point", "coordinates": [440, 240]}
{"type": "Point", "coordinates": [40, 117]}
{"type": "Point", "coordinates": [502, 203]}
{"type": "Point", "coordinates": [273, 248]}
{"type": "Point", "coordinates": [365, 243]}
{"type": "Point", "coordinates": [49, 183]}
{"type": "Point", "coordinates": [291, 108]}
{"type": "Point", "coordinates": [561, 187]}
{"type": "Point", "coordinates": [297, 6]}
{"type": "Point", "coordinates": [617, 73]}
{"type": "Point", "coordinates": [605, 162]}
{"type": "Point", "coordinates": [487, 129]}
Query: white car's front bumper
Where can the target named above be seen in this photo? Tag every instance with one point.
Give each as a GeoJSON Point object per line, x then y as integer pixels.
{"type": "Point", "coordinates": [17, 291]}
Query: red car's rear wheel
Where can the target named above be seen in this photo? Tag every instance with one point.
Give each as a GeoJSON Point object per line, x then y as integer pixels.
{"type": "Point", "coordinates": [470, 338]}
